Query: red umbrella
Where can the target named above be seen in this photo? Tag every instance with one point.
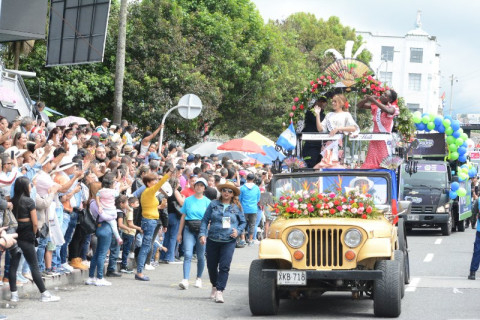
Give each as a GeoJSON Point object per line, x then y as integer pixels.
{"type": "Point", "coordinates": [242, 145]}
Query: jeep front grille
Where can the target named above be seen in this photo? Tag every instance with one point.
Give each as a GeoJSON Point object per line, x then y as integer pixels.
{"type": "Point", "coordinates": [324, 247]}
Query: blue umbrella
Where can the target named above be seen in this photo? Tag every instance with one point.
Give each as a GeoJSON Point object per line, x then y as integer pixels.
{"type": "Point", "coordinates": [261, 158]}
{"type": "Point", "coordinates": [272, 153]}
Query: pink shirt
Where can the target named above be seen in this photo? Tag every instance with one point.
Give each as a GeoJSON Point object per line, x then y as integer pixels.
{"type": "Point", "coordinates": [107, 198]}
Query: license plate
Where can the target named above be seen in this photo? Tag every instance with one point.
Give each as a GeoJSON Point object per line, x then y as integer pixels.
{"type": "Point", "coordinates": [413, 217]}
{"type": "Point", "coordinates": [292, 278]}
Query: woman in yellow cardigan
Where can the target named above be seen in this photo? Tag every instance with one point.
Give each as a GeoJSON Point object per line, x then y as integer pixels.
{"type": "Point", "coordinates": [150, 216]}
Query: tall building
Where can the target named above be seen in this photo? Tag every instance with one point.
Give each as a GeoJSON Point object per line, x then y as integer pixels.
{"type": "Point", "coordinates": [410, 64]}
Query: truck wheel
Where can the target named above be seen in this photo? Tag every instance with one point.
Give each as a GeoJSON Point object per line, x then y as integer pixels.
{"type": "Point", "coordinates": [387, 301]}
{"type": "Point", "coordinates": [398, 254]}
{"type": "Point", "coordinates": [447, 227]}
{"type": "Point", "coordinates": [461, 226]}
{"type": "Point", "coordinates": [262, 292]}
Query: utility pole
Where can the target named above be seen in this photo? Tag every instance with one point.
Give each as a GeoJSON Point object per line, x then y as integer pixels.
{"type": "Point", "coordinates": [120, 64]}
{"type": "Point", "coordinates": [452, 78]}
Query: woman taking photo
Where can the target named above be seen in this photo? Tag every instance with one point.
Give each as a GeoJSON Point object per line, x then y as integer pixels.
{"type": "Point", "coordinates": [227, 221]}
{"type": "Point", "coordinates": [26, 215]}
{"type": "Point", "coordinates": [193, 210]}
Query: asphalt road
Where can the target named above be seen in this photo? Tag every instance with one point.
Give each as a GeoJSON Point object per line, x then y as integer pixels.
{"type": "Point", "coordinates": [439, 290]}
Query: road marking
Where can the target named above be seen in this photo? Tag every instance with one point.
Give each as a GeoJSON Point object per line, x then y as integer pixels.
{"type": "Point", "coordinates": [438, 241]}
{"type": "Point", "coordinates": [428, 257]}
{"type": "Point", "coordinates": [455, 290]}
{"type": "Point", "coordinates": [413, 285]}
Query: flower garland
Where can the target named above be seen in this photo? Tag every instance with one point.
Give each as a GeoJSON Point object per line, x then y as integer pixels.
{"type": "Point", "coordinates": [326, 205]}
{"type": "Point", "coordinates": [369, 85]}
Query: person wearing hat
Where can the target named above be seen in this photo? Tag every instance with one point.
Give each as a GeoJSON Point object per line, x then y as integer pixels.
{"type": "Point", "coordinates": [103, 128]}
{"type": "Point", "coordinates": [249, 198]}
{"type": "Point", "coordinates": [226, 220]}
{"type": "Point", "coordinates": [192, 211]}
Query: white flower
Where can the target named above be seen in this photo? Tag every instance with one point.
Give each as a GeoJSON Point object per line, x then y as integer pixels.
{"type": "Point", "coordinates": [303, 206]}
{"type": "Point", "coordinates": [330, 204]}
{"type": "Point", "coordinates": [354, 210]}
{"type": "Point", "coordinates": [344, 206]}
{"type": "Point", "coordinates": [295, 206]}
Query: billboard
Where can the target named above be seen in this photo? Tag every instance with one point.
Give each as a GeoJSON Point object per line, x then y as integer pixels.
{"type": "Point", "coordinates": [22, 20]}
{"type": "Point", "coordinates": [77, 31]}
{"type": "Point", "coordinates": [468, 118]}
{"type": "Point", "coordinates": [430, 144]}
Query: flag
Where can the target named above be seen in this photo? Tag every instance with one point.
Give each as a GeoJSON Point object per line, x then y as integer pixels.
{"type": "Point", "coordinates": [288, 138]}
{"type": "Point", "coordinates": [443, 96]}
{"type": "Point", "coordinates": [443, 100]}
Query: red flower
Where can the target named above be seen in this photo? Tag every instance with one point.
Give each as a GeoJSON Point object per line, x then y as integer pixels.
{"type": "Point", "coordinates": [336, 202]}
{"type": "Point", "coordinates": [322, 77]}
{"type": "Point", "coordinates": [318, 206]}
{"type": "Point", "coordinates": [295, 99]}
{"type": "Point", "coordinates": [364, 216]}
{"type": "Point", "coordinates": [324, 83]}
{"type": "Point", "coordinates": [301, 107]}
{"type": "Point", "coordinates": [368, 195]}
{"type": "Point", "coordinates": [364, 90]}
{"type": "Point", "coordinates": [311, 83]}
{"type": "Point", "coordinates": [363, 80]}
{"type": "Point", "coordinates": [346, 104]}
{"type": "Point", "coordinates": [369, 209]}
{"type": "Point", "coordinates": [294, 108]}
{"type": "Point", "coordinates": [319, 196]}
{"type": "Point", "coordinates": [372, 86]}
{"type": "Point", "coordinates": [277, 210]}
{"type": "Point", "coordinates": [369, 78]}
{"type": "Point", "coordinates": [332, 81]}
{"type": "Point", "coordinates": [360, 204]}
{"type": "Point", "coordinates": [313, 90]}
{"type": "Point", "coordinates": [329, 78]}
{"type": "Point", "coordinates": [332, 211]}
{"type": "Point", "coordinates": [300, 199]}
{"type": "Point", "coordinates": [315, 86]}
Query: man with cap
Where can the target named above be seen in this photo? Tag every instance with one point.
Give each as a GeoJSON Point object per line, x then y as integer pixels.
{"type": "Point", "coordinates": [103, 128]}
{"type": "Point", "coordinates": [67, 177]}
{"type": "Point", "coordinates": [249, 198]}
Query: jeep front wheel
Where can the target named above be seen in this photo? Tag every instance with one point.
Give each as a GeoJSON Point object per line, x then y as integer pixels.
{"type": "Point", "coordinates": [262, 291]}
{"type": "Point", "coordinates": [386, 291]}
{"type": "Point", "coordinates": [399, 256]}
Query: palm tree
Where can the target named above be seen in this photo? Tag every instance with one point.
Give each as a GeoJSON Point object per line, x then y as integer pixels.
{"type": "Point", "coordinates": [17, 48]}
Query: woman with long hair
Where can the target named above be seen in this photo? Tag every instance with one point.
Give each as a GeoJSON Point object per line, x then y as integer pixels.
{"type": "Point", "coordinates": [338, 121]}
{"type": "Point", "coordinates": [20, 140]}
{"type": "Point", "coordinates": [26, 214]}
{"type": "Point", "coordinates": [54, 136]}
{"type": "Point", "coordinates": [226, 219]}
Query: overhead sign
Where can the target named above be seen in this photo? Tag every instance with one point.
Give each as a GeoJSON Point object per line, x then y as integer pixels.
{"type": "Point", "coordinates": [469, 118]}
{"type": "Point", "coordinates": [430, 144]}
{"type": "Point", "coordinates": [22, 20]}
{"type": "Point", "coordinates": [77, 31]}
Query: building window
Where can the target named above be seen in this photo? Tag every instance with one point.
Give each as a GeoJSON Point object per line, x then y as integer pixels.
{"type": "Point", "coordinates": [386, 77]}
{"type": "Point", "coordinates": [415, 81]}
{"type": "Point", "coordinates": [414, 107]}
{"type": "Point", "coordinates": [387, 53]}
{"type": "Point", "coordinates": [416, 55]}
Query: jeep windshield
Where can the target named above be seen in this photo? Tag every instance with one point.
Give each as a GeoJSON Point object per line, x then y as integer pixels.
{"type": "Point", "coordinates": [431, 176]}
{"type": "Point", "coordinates": [376, 186]}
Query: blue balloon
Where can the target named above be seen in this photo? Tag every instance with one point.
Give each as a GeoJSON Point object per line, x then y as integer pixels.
{"type": "Point", "coordinates": [441, 128]}
{"type": "Point", "coordinates": [454, 186]}
{"type": "Point", "coordinates": [438, 121]}
{"type": "Point", "coordinates": [465, 145]}
{"type": "Point", "coordinates": [452, 194]}
{"type": "Point", "coordinates": [471, 173]}
{"type": "Point", "coordinates": [456, 134]}
{"type": "Point", "coordinates": [455, 125]}
{"type": "Point", "coordinates": [461, 150]}
{"type": "Point", "coordinates": [448, 117]}
{"type": "Point", "coordinates": [426, 129]}
{"type": "Point", "coordinates": [464, 166]}
{"type": "Point", "coordinates": [462, 158]}
{"type": "Point", "coordinates": [421, 126]}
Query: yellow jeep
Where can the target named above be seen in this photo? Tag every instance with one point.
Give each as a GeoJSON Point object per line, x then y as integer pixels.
{"type": "Point", "coordinates": [321, 242]}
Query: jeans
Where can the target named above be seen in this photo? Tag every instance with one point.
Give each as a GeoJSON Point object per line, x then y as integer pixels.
{"type": "Point", "coordinates": [42, 246]}
{"type": "Point", "coordinates": [104, 239]}
{"type": "Point", "coordinates": [219, 258]}
{"type": "Point", "coordinates": [85, 246]}
{"type": "Point", "coordinates": [114, 252]}
{"type": "Point", "coordinates": [127, 243]}
{"type": "Point", "coordinates": [170, 238]}
{"type": "Point", "coordinates": [28, 249]}
{"type": "Point", "coordinates": [257, 223]}
{"type": "Point", "coordinates": [72, 223]}
{"type": "Point", "coordinates": [476, 253]}
{"type": "Point", "coordinates": [155, 233]}
{"type": "Point", "coordinates": [148, 227]}
{"type": "Point", "coordinates": [191, 240]}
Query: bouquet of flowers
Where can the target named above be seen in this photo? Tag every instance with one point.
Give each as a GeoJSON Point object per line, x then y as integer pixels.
{"type": "Point", "coordinates": [304, 204]}
{"type": "Point", "coordinates": [368, 85]}
{"type": "Point", "coordinates": [294, 163]}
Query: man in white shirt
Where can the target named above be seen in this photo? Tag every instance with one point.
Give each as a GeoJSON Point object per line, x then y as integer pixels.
{"type": "Point", "coordinates": [103, 128]}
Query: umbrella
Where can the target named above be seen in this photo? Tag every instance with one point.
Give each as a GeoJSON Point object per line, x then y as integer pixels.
{"type": "Point", "coordinates": [204, 148]}
{"type": "Point", "coordinates": [8, 95]}
{"type": "Point", "coordinates": [261, 158]}
{"type": "Point", "coordinates": [65, 122]}
{"type": "Point", "coordinates": [242, 145]}
{"type": "Point", "coordinates": [272, 153]}
{"type": "Point", "coordinates": [233, 155]}
{"type": "Point", "coordinates": [259, 139]}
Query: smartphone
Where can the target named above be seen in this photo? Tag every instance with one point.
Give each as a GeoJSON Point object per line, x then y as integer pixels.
{"type": "Point", "coordinates": [80, 165]}
{"type": "Point", "coordinates": [12, 155]}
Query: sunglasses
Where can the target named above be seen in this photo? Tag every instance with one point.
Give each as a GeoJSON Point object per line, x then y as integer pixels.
{"type": "Point", "coordinates": [227, 190]}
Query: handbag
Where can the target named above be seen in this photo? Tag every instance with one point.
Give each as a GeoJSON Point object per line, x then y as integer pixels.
{"type": "Point", "coordinates": [43, 232]}
{"type": "Point", "coordinates": [9, 220]}
{"type": "Point", "coordinates": [194, 226]}
{"type": "Point", "coordinates": [86, 221]}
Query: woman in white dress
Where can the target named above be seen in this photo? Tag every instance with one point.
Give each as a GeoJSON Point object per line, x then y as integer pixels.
{"type": "Point", "coordinates": [338, 121]}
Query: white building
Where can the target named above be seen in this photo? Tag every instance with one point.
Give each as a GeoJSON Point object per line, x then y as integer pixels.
{"type": "Point", "coordinates": [409, 64]}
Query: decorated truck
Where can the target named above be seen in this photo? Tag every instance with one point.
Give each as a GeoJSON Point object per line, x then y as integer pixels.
{"type": "Point", "coordinates": [336, 231]}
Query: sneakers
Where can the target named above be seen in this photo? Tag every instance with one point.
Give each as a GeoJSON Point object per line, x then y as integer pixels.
{"type": "Point", "coordinates": [77, 264]}
{"type": "Point", "coordinates": [141, 278]}
{"type": "Point", "coordinates": [91, 281]}
{"type": "Point", "coordinates": [113, 274]}
{"type": "Point", "coordinates": [131, 255]}
{"type": "Point", "coordinates": [102, 283]}
{"type": "Point", "coordinates": [250, 244]}
{"type": "Point", "coordinates": [14, 297]}
{"type": "Point", "coordinates": [86, 262]}
{"type": "Point", "coordinates": [149, 267]}
{"type": "Point", "coordinates": [198, 283]}
{"type": "Point", "coordinates": [126, 270]}
{"type": "Point", "coordinates": [256, 241]}
{"type": "Point", "coordinates": [67, 266]}
{"type": "Point", "coordinates": [241, 244]}
{"type": "Point", "coordinates": [48, 297]}
{"type": "Point", "coordinates": [219, 297]}
{"type": "Point", "coordinates": [213, 294]}
{"type": "Point", "coordinates": [184, 284]}
{"type": "Point", "coordinates": [174, 262]}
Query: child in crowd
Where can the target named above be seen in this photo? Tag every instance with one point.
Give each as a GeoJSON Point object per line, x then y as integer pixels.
{"type": "Point", "coordinates": [128, 237]}
{"type": "Point", "coordinates": [105, 199]}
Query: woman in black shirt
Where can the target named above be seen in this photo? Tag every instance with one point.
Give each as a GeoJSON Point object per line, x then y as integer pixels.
{"type": "Point", "coordinates": [311, 149]}
{"type": "Point", "coordinates": [26, 215]}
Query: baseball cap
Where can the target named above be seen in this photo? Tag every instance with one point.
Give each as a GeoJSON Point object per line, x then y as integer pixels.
{"type": "Point", "coordinates": [103, 136]}
{"type": "Point", "coordinates": [105, 120]}
{"type": "Point", "coordinates": [190, 158]}
{"type": "Point", "coordinates": [202, 180]}
{"type": "Point", "coordinates": [250, 176]}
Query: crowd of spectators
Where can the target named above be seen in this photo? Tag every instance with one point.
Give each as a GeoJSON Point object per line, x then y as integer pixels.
{"type": "Point", "coordinates": [137, 193]}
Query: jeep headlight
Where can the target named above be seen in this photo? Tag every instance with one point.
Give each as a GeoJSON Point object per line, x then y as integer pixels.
{"type": "Point", "coordinates": [353, 238]}
{"type": "Point", "coordinates": [441, 209]}
{"type": "Point", "coordinates": [295, 238]}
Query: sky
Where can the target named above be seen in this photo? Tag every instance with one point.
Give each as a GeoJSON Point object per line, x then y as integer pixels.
{"type": "Point", "coordinates": [455, 24]}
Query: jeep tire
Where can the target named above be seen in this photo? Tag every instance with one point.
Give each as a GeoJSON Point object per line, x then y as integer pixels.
{"type": "Point", "coordinates": [403, 246]}
{"type": "Point", "coordinates": [262, 291]}
{"type": "Point", "coordinates": [399, 256]}
{"type": "Point", "coordinates": [387, 299]}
